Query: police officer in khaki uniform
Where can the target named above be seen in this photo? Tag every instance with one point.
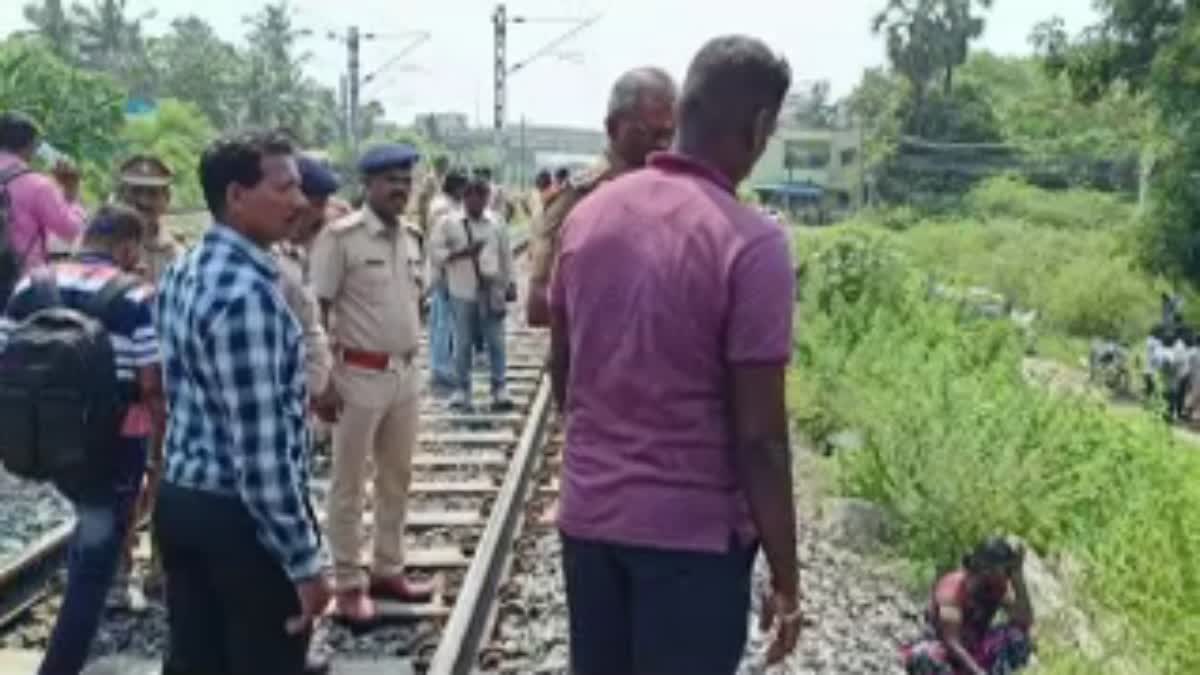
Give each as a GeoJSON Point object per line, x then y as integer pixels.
{"type": "Point", "coordinates": [368, 298]}
{"type": "Point", "coordinates": [640, 120]}
{"type": "Point", "coordinates": [318, 184]}
{"type": "Point", "coordinates": [144, 182]}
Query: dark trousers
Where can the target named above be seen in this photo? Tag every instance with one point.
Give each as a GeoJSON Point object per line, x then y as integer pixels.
{"type": "Point", "coordinates": [228, 599]}
{"type": "Point", "coordinates": [101, 523]}
{"type": "Point", "coordinates": [640, 611]}
{"type": "Point", "coordinates": [95, 551]}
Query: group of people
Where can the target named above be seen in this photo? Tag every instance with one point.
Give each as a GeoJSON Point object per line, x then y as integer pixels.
{"type": "Point", "coordinates": [669, 306]}
{"type": "Point", "coordinates": [292, 308]}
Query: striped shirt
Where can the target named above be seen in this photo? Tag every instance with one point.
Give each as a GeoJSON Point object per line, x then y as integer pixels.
{"type": "Point", "coordinates": [129, 323]}
{"type": "Point", "coordinates": [233, 359]}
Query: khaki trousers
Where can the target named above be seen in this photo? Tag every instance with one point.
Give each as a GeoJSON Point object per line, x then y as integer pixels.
{"type": "Point", "coordinates": [378, 422]}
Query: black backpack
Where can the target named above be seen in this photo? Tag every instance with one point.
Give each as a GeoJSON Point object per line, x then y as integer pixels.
{"type": "Point", "coordinates": [60, 405]}
{"type": "Point", "coordinates": [11, 261]}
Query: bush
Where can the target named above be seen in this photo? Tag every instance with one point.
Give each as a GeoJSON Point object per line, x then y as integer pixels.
{"type": "Point", "coordinates": [1006, 197]}
{"type": "Point", "coordinates": [1083, 283]}
{"type": "Point", "coordinates": [958, 446]}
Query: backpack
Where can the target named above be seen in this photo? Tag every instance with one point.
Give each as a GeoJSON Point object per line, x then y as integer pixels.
{"type": "Point", "coordinates": [11, 262]}
{"type": "Point", "coordinates": [60, 404]}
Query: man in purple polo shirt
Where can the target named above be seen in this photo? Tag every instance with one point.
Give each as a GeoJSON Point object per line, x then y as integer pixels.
{"type": "Point", "coordinates": [671, 333]}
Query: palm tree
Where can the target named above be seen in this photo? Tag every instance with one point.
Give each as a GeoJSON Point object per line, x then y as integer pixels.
{"type": "Point", "coordinates": [110, 40]}
{"type": "Point", "coordinates": [50, 21]}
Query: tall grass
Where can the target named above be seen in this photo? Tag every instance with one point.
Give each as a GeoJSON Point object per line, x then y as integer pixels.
{"type": "Point", "coordinates": [1084, 283]}
{"type": "Point", "coordinates": [958, 445]}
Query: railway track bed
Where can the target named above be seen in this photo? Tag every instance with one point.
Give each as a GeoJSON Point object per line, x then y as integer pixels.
{"type": "Point", "coordinates": [470, 482]}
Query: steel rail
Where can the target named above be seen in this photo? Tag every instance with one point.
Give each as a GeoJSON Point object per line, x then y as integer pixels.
{"type": "Point", "coordinates": [467, 629]}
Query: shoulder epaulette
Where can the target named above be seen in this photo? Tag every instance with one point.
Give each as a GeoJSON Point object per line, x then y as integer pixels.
{"type": "Point", "coordinates": [347, 223]}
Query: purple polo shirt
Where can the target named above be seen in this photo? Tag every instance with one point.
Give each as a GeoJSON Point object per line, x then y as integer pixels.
{"type": "Point", "coordinates": [38, 211]}
{"type": "Point", "coordinates": [666, 282]}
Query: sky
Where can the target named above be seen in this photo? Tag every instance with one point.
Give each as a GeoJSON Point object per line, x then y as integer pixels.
{"type": "Point", "coordinates": [452, 70]}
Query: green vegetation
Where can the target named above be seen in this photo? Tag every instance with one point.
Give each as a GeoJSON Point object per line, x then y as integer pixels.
{"type": "Point", "coordinates": [1067, 255]}
{"type": "Point", "coordinates": [958, 445]}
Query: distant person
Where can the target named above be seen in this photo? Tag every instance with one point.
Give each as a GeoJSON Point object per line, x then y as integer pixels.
{"type": "Point", "coordinates": [447, 205]}
{"type": "Point", "coordinates": [640, 120]}
{"type": "Point", "coordinates": [431, 186]}
{"type": "Point", "coordinates": [292, 255]}
{"type": "Point", "coordinates": [39, 208]}
{"type": "Point", "coordinates": [368, 300]}
{"type": "Point", "coordinates": [99, 282]}
{"type": "Point", "coordinates": [562, 175]}
{"type": "Point", "coordinates": [671, 334]}
{"type": "Point", "coordinates": [241, 546]}
{"type": "Point", "coordinates": [962, 638]}
{"type": "Point", "coordinates": [144, 182]}
{"type": "Point", "coordinates": [476, 255]}
{"type": "Point", "coordinates": [543, 181]}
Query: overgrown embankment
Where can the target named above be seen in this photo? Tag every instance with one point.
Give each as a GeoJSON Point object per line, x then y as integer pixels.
{"type": "Point", "coordinates": [958, 445]}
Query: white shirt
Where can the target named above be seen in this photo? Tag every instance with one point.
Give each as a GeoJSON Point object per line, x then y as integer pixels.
{"type": "Point", "coordinates": [450, 236]}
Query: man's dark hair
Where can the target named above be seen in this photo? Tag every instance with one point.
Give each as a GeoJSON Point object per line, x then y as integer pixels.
{"type": "Point", "coordinates": [18, 131]}
{"type": "Point", "coordinates": [114, 224]}
{"type": "Point", "coordinates": [730, 80]}
{"type": "Point", "coordinates": [561, 175]}
{"type": "Point", "coordinates": [990, 553]}
{"type": "Point", "coordinates": [237, 159]}
{"type": "Point", "coordinates": [543, 179]}
{"type": "Point", "coordinates": [454, 181]}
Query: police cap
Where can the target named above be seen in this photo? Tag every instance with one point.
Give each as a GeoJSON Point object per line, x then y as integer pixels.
{"type": "Point", "coordinates": [390, 156]}
{"type": "Point", "coordinates": [315, 179]}
{"type": "Point", "coordinates": [145, 171]}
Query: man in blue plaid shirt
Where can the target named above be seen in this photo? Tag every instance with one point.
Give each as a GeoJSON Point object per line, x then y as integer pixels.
{"type": "Point", "coordinates": [240, 543]}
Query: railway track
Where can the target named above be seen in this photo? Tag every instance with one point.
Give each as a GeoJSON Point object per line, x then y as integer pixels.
{"type": "Point", "coordinates": [473, 481]}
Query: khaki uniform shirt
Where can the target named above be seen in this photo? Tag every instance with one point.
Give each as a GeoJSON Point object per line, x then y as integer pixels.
{"type": "Point", "coordinates": [429, 190]}
{"type": "Point", "coordinates": [361, 266]}
{"type": "Point", "coordinates": [293, 279]}
{"type": "Point", "coordinates": [440, 207]}
{"type": "Point", "coordinates": [157, 255]}
{"type": "Point", "coordinates": [450, 235]}
{"type": "Point", "coordinates": [546, 233]}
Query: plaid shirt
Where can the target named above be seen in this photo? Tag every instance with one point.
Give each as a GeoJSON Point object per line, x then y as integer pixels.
{"type": "Point", "coordinates": [233, 360]}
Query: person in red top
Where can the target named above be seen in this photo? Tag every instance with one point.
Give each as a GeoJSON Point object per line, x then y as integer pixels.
{"type": "Point", "coordinates": [962, 639]}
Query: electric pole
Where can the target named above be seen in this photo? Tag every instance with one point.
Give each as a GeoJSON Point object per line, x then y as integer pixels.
{"type": "Point", "coordinates": [501, 69]}
{"type": "Point", "coordinates": [500, 66]}
{"type": "Point", "coordinates": [352, 47]}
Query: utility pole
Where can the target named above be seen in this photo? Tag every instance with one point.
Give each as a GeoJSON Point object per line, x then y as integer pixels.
{"type": "Point", "coordinates": [344, 109]}
{"type": "Point", "coordinates": [500, 68]}
{"type": "Point", "coordinates": [352, 47]}
{"type": "Point", "coordinates": [502, 71]}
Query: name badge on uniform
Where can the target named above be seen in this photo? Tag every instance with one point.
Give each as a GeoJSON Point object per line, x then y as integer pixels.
{"type": "Point", "coordinates": [376, 263]}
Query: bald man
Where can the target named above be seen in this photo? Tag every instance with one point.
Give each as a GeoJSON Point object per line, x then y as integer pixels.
{"type": "Point", "coordinates": [640, 120]}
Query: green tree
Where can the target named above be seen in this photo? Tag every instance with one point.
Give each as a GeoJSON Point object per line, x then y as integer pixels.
{"type": "Point", "coordinates": [80, 112]}
{"type": "Point", "coordinates": [111, 41]}
{"type": "Point", "coordinates": [50, 21]}
{"type": "Point", "coordinates": [196, 65]}
{"type": "Point", "coordinates": [1149, 46]}
{"type": "Point", "coordinates": [929, 38]}
{"type": "Point", "coordinates": [275, 89]}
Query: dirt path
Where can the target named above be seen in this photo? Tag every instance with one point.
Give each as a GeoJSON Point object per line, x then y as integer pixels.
{"type": "Point", "coordinates": [1061, 377]}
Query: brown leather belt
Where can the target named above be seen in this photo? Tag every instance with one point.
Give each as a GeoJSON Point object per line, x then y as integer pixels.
{"type": "Point", "coordinates": [374, 360]}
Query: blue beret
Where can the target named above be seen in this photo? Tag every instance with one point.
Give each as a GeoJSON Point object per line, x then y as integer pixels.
{"type": "Point", "coordinates": [315, 179]}
{"type": "Point", "coordinates": [390, 156]}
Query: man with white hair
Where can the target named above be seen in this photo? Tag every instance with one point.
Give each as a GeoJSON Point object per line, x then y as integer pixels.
{"type": "Point", "coordinates": [640, 120]}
